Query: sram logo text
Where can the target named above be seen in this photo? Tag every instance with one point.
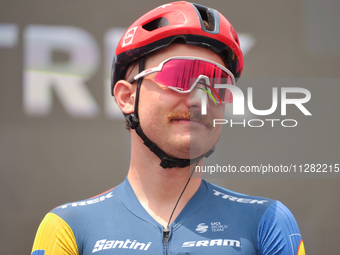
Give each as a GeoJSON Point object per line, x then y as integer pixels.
{"type": "Point", "coordinates": [214, 242]}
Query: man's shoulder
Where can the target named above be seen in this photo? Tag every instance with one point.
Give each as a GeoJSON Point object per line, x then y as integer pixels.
{"type": "Point", "coordinates": [263, 211]}
{"type": "Point", "coordinates": [104, 196]}
{"type": "Point", "coordinates": [269, 220]}
{"type": "Point", "coordinates": [80, 210]}
{"type": "Point", "coordinates": [238, 204]}
{"type": "Point", "coordinates": [224, 194]}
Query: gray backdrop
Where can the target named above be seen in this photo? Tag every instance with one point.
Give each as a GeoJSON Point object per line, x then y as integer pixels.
{"type": "Point", "coordinates": [62, 138]}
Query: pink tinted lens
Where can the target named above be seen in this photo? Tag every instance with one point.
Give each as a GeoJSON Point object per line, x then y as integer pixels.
{"type": "Point", "coordinates": [225, 94]}
{"type": "Point", "coordinates": [181, 73]}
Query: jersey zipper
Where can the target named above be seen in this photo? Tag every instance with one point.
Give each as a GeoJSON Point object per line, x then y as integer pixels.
{"type": "Point", "coordinates": [165, 238]}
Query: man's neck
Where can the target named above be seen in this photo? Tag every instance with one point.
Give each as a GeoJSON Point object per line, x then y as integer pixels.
{"type": "Point", "coordinates": [158, 189]}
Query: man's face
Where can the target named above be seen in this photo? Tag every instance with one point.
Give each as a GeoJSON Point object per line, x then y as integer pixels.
{"type": "Point", "coordinates": [164, 113]}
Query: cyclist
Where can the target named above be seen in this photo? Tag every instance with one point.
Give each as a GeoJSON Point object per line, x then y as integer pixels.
{"type": "Point", "coordinates": [164, 62]}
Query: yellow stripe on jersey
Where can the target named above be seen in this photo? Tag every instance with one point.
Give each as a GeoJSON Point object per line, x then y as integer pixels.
{"type": "Point", "coordinates": [301, 250]}
{"type": "Point", "coordinates": [55, 237]}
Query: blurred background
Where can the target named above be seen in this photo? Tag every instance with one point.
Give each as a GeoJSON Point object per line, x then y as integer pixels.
{"type": "Point", "coordinates": [63, 139]}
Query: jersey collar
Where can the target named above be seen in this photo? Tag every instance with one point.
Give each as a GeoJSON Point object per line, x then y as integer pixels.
{"type": "Point", "coordinates": [131, 202]}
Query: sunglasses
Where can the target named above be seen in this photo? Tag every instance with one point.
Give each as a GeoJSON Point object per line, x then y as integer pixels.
{"type": "Point", "coordinates": [183, 74]}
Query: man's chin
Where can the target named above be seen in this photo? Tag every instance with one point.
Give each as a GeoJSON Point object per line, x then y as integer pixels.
{"type": "Point", "coordinates": [187, 151]}
{"type": "Point", "coordinates": [189, 145]}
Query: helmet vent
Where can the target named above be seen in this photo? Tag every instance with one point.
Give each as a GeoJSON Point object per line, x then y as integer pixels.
{"type": "Point", "coordinates": [207, 17]}
{"type": "Point", "coordinates": [157, 23]}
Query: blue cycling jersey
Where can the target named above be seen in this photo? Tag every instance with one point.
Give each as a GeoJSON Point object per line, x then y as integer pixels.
{"type": "Point", "coordinates": [214, 221]}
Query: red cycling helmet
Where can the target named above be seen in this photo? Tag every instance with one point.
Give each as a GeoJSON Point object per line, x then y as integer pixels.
{"type": "Point", "coordinates": [163, 25]}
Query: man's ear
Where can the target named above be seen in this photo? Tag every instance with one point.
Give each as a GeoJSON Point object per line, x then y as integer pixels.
{"type": "Point", "coordinates": [125, 96]}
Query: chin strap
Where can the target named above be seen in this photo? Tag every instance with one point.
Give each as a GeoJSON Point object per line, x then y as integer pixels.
{"type": "Point", "coordinates": [166, 160]}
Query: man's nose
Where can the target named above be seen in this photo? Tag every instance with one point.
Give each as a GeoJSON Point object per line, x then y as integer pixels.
{"type": "Point", "coordinates": [198, 99]}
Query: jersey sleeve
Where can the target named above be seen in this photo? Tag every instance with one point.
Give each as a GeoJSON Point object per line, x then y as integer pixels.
{"type": "Point", "coordinates": [278, 232]}
{"type": "Point", "coordinates": [54, 237]}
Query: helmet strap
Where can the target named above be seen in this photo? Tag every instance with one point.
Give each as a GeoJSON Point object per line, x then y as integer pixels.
{"type": "Point", "coordinates": [166, 160]}
{"type": "Point", "coordinates": [132, 118]}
